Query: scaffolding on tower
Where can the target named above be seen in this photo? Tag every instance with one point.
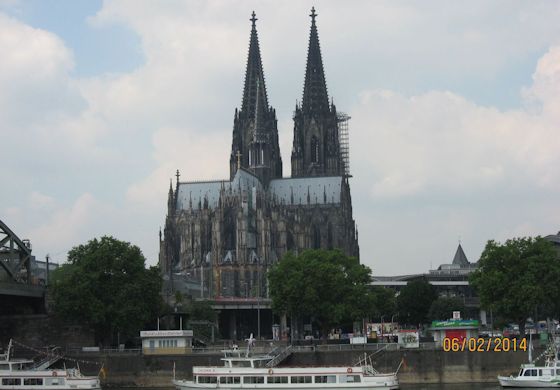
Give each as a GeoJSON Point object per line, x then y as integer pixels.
{"type": "Point", "coordinates": [343, 119]}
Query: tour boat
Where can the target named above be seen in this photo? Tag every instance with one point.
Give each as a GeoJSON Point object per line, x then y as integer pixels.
{"type": "Point", "coordinates": [25, 374]}
{"type": "Point", "coordinates": [243, 371]}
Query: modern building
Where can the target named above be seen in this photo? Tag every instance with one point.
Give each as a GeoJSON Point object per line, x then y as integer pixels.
{"type": "Point", "coordinates": [450, 280]}
{"type": "Point", "coordinates": [227, 233]}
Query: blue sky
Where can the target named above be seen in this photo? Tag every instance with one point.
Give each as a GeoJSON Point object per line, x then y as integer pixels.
{"type": "Point", "coordinates": [453, 132]}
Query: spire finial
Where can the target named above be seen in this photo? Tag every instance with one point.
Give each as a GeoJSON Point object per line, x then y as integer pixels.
{"type": "Point", "coordinates": [177, 175]}
{"type": "Point", "coordinates": [254, 20]}
{"type": "Point", "coordinates": [313, 15]}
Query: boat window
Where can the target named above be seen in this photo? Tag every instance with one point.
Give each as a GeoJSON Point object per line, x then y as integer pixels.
{"type": "Point", "coordinates": [520, 372]}
{"type": "Point", "coordinates": [301, 379]}
{"type": "Point", "coordinates": [230, 379]}
{"type": "Point", "coordinates": [207, 379]}
{"type": "Point", "coordinates": [277, 379]}
{"type": "Point", "coordinates": [253, 379]}
{"type": "Point", "coordinates": [33, 381]}
{"type": "Point", "coordinates": [547, 372]}
{"type": "Point", "coordinates": [349, 378]}
{"type": "Point", "coordinates": [54, 381]}
{"type": "Point", "coordinates": [11, 381]}
{"type": "Point", "coordinates": [241, 363]}
{"type": "Point", "coordinates": [325, 379]}
{"type": "Point", "coordinates": [533, 372]}
{"type": "Point", "coordinates": [527, 373]}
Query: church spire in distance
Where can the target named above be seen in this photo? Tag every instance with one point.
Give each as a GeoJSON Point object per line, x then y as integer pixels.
{"type": "Point", "coordinates": [316, 145]}
{"type": "Point", "coordinates": [255, 134]}
{"type": "Point", "coordinates": [315, 97]}
{"type": "Point", "coordinates": [254, 75]}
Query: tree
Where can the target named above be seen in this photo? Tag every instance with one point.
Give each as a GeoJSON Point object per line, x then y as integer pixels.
{"type": "Point", "coordinates": [516, 277]}
{"type": "Point", "coordinates": [326, 285]}
{"type": "Point", "coordinates": [443, 307]}
{"type": "Point", "coordinates": [385, 302]}
{"type": "Point", "coordinates": [105, 285]}
{"type": "Point", "coordinates": [414, 301]}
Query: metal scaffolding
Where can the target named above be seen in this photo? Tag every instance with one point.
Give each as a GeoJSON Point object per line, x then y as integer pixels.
{"type": "Point", "coordinates": [343, 139]}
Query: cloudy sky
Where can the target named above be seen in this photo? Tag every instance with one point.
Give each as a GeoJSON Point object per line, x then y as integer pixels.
{"type": "Point", "coordinates": [454, 133]}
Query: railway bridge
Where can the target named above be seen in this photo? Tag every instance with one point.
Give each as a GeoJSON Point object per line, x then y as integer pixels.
{"type": "Point", "coordinates": [22, 287]}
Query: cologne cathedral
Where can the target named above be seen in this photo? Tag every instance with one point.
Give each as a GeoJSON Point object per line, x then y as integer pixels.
{"type": "Point", "coordinates": [227, 233]}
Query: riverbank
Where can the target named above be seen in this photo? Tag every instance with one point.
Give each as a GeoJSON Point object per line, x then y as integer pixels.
{"type": "Point", "coordinates": [419, 366]}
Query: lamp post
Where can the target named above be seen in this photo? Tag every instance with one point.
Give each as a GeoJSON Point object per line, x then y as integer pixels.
{"type": "Point", "coordinates": [392, 317]}
{"type": "Point", "coordinates": [258, 299]}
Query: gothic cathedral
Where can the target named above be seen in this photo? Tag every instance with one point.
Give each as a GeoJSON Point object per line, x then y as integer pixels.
{"type": "Point", "coordinates": [227, 233]}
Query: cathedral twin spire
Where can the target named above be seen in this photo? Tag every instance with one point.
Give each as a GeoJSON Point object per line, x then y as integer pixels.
{"type": "Point", "coordinates": [315, 97]}
{"type": "Point", "coordinates": [255, 144]}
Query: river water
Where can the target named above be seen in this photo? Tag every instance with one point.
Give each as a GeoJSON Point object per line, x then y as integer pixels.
{"type": "Point", "coordinates": [462, 386]}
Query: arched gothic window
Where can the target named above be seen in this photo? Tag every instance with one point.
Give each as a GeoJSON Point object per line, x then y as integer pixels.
{"type": "Point", "coordinates": [314, 150]}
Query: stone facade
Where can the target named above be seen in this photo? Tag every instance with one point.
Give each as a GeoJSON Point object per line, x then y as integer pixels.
{"type": "Point", "coordinates": [227, 233]}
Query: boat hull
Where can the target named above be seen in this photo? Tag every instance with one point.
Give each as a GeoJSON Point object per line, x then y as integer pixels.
{"type": "Point", "coordinates": [49, 379]}
{"type": "Point", "coordinates": [511, 381]}
{"type": "Point", "coordinates": [389, 382]}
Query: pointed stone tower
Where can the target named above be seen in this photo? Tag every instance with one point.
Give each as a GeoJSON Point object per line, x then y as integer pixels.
{"type": "Point", "coordinates": [255, 133]}
{"type": "Point", "coordinates": [316, 146]}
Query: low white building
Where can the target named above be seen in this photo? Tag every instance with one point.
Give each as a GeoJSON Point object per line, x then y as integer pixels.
{"type": "Point", "coordinates": [166, 342]}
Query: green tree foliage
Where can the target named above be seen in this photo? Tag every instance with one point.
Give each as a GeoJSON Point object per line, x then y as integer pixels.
{"type": "Point", "coordinates": [327, 285]}
{"type": "Point", "coordinates": [443, 307]}
{"type": "Point", "coordinates": [105, 285]}
{"type": "Point", "coordinates": [385, 302]}
{"type": "Point", "coordinates": [414, 302]}
{"type": "Point", "coordinates": [515, 278]}
{"type": "Point", "coordinates": [202, 311]}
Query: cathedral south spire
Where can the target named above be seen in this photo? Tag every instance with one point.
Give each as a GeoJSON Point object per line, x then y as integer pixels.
{"type": "Point", "coordinates": [255, 134]}
{"type": "Point", "coordinates": [316, 145]}
{"type": "Point", "coordinates": [315, 97]}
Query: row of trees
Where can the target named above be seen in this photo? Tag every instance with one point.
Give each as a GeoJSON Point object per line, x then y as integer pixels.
{"type": "Point", "coordinates": [335, 289]}
{"type": "Point", "coordinates": [105, 284]}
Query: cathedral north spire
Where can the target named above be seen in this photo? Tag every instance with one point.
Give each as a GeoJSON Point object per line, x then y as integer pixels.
{"type": "Point", "coordinates": [316, 145]}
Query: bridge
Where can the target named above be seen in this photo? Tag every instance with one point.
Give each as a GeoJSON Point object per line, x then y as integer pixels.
{"type": "Point", "coordinates": [20, 290]}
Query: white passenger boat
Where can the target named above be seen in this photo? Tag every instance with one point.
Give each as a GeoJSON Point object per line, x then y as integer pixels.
{"type": "Point", "coordinates": [25, 374]}
{"type": "Point", "coordinates": [243, 371]}
{"type": "Point", "coordinates": [531, 375]}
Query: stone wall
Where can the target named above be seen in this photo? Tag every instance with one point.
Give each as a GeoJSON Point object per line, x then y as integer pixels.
{"type": "Point", "coordinates": [420, 366]}
{"type": "Point", "coordinates": [40, 330]}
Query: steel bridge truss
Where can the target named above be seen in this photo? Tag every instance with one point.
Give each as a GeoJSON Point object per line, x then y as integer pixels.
{"type": "Point", "coordinates": [15, 257]}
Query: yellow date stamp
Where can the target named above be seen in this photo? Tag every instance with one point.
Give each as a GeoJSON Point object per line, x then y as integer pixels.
{"type": "Point", "coordinates": [478, 344]}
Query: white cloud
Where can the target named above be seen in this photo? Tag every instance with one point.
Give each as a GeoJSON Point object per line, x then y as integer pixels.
{"type": "Point", "coordinates": [427, 158]}
{"type": "Point", "coordinates": [438, 153]}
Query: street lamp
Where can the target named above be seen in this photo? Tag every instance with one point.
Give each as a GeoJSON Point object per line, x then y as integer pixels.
{"type": "Point", "coordinates": [383, 316]}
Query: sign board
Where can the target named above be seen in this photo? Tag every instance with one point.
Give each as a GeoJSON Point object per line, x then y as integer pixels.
{"type": "Point", "coordinates": [358, 340]}
{"type": "Point", "coordinates": [456, 315]}
{"type": "Point", "coordinates": [409, 338]}
{"type": "Point", "coordinates": [455, 324]}
{"type": "Point", "coordinates": [166, 333]}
